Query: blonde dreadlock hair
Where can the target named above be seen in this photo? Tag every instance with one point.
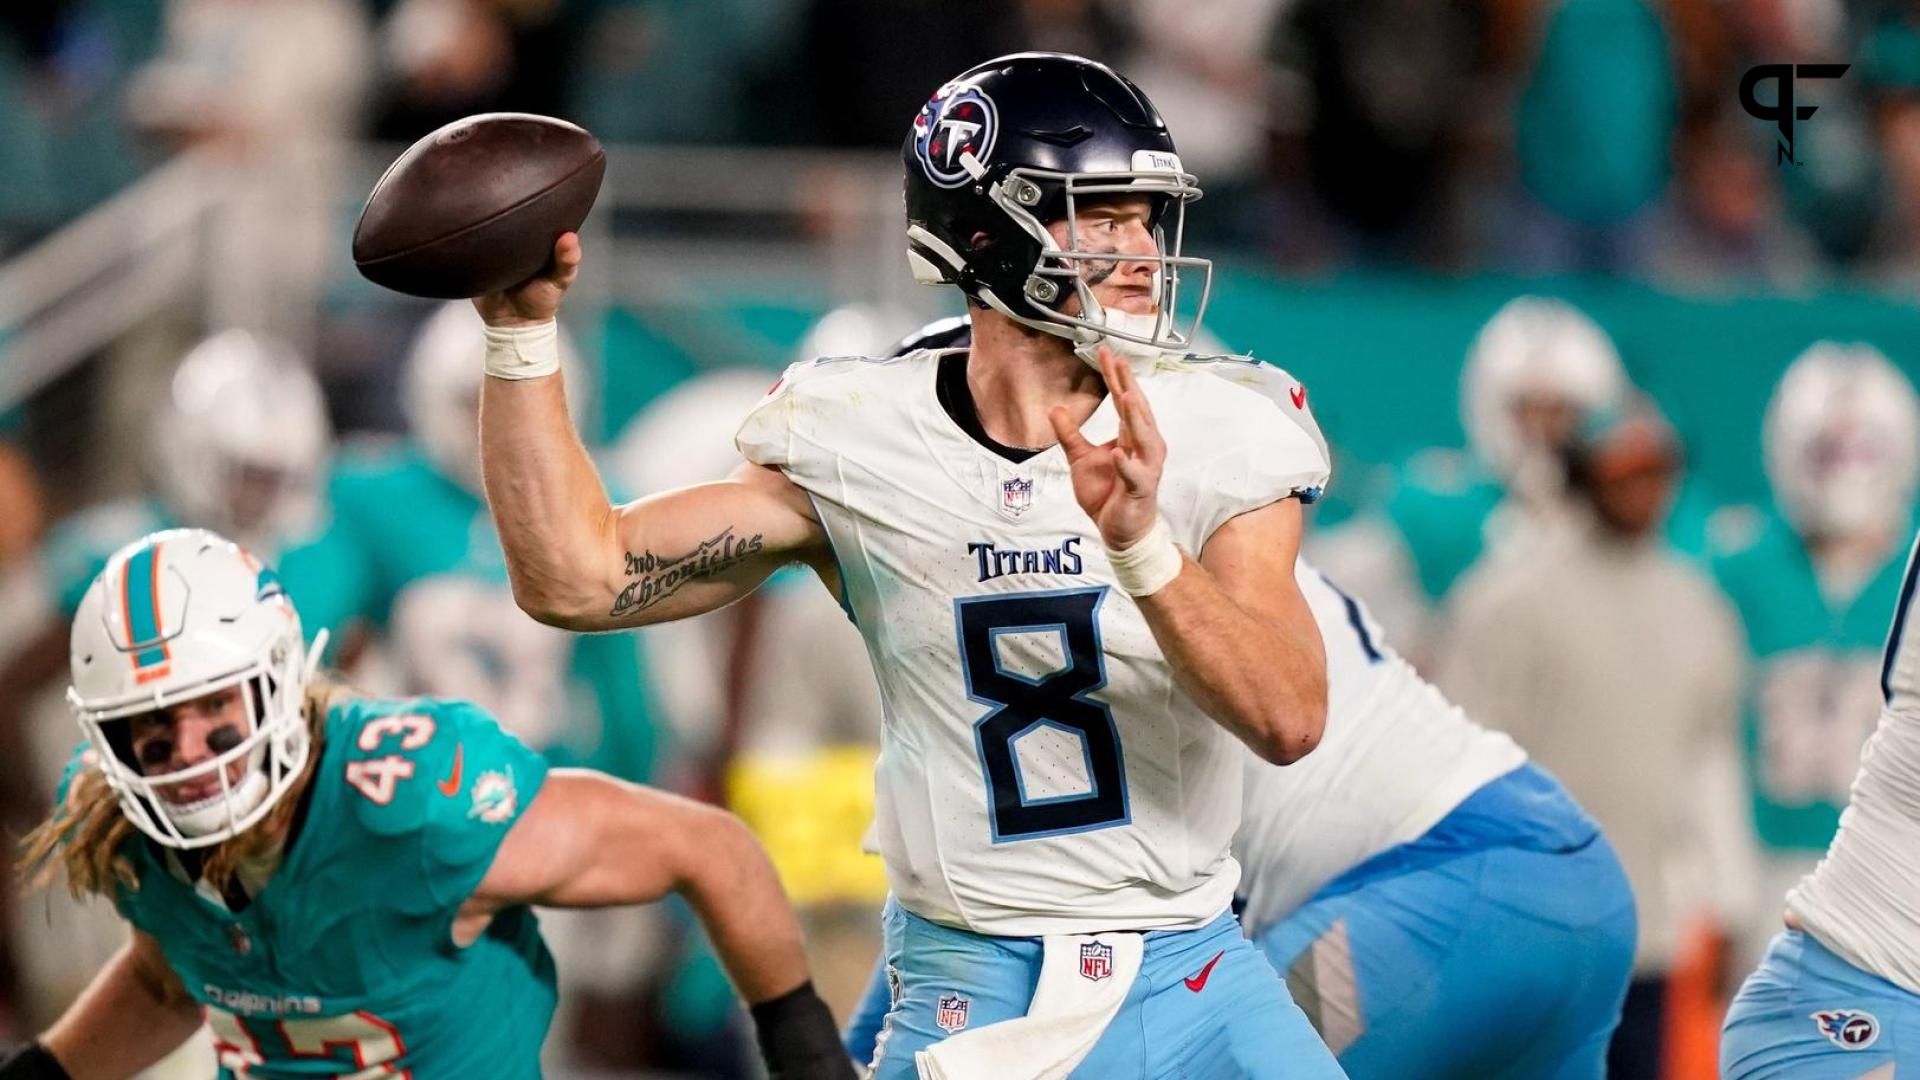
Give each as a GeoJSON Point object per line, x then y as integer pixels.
{"type": "Point", "coordinates": [86, 835]}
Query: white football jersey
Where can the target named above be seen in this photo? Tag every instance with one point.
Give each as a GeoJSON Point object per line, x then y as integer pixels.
{"type": "Point", "coordinates": [1863, 900]}
{"type": "Point", "coordinates": [1396, 756]}
{"type": "Point", "coordinates": [1040, 771]}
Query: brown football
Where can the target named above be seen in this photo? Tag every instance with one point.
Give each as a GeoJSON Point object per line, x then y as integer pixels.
{"type": "Point", "coordinates": [476, 206]}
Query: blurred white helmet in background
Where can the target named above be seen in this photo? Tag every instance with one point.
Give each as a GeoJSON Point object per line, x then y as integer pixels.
{"type": "Point", "coordinates": [857, 330]}
{"type": "Point", "coordinates": [243, 440]}
{"type": "Point", "coordinates": [440, 389]}
{"type": "Point", "coordinates": [175, 616]}
{"type": "Point", "coordinates": [1537, 368]}
{"type": "Point", "coordinates": [685, 436]}
{"type": "Point", "coordinates": [1842, 441]}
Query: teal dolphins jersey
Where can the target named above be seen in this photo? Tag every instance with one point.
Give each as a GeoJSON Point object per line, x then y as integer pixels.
{"type": "Point", "coordinates": [344, 964]}
{"type": "Point", "coordinates": [1440, 504]}
{"type": "Point", "coordinates": [415, 555]}
{"type": "Point", "coordinates": [1813, 691]}
{"type": "Point", "coordinates": [78, 548]}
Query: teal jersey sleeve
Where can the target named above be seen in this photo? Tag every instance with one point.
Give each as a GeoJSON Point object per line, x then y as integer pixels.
{"type": "Point", "coordinates": [80, 761]}
{"type": "Point", "coordinates": [1440, 506]}
{"type": "Point", "coordinates": [442, 782]}
{"type": "Point", "coordinates": [330, 574]}
{"type": "Point", "coordinates": [326, 575]}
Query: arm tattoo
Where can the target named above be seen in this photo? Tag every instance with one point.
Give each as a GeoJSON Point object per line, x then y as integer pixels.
{"type": "Point", "coordinates": [656, 577]}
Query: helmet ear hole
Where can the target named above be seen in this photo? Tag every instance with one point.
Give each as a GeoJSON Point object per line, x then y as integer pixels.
{"type": "Point", "coordinates": [119, 737]}
{"type": "Point", "coordinates": [260, 689]}
{"type": "Point", "coordinates": [1157, 207]}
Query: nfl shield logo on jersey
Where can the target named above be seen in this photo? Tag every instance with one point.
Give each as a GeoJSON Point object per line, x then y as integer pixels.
{"type": "Point", "coordinates": [1096, 960]}
{"type": "Point", "coordinates": [1016, 495]}
{"type": "Point", "coordinates": [951, 1014]}
{"type": "Point", "coordinates": [1848, 1029]}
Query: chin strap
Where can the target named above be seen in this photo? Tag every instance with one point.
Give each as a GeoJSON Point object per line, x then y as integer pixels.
{"type": "Point", "coordinates": [1139, 356]}
{"type": "Point", "coordinates": [1086, 340]}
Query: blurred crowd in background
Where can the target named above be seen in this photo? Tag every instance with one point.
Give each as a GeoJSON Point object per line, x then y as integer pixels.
{"type": "Point", "coordinates": [1627, 440]}
{"type": "Point", "coordinates": [1527, 135]}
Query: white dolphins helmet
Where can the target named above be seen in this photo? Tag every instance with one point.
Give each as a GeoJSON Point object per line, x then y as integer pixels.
{"type": "Point", "coordinates": [1538, 349]}
{"type": "Point", "coordinates": [175, 616]}
{"type": "Point", "coordinates": [440, 390]}
{"type": "Point", "coordinates": [1842, 440]}
{"type": "Point", "coordinates": [243, 440]}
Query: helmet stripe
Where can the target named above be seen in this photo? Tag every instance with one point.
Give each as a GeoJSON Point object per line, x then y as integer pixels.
{"type": "Point", "coordinates": [140, 584]}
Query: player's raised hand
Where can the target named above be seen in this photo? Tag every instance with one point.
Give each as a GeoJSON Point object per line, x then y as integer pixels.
{"type": "Point", "coordinates": [1117, 482]}
{"type": "Point", "coordinates": [536, 299]}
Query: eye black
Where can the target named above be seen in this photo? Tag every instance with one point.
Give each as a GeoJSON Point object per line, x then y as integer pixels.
{"type": "Point", "coordinates": [223, 738]}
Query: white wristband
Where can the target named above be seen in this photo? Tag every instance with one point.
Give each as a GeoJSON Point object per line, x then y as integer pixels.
{"type": "Point", "coordinates": [523, 352]}
{"type": "Point", "coordinates": [1150, 563]}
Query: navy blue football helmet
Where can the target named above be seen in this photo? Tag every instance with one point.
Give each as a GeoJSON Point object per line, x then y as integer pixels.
{"type": "Point", "coordinates": [1012, 144]}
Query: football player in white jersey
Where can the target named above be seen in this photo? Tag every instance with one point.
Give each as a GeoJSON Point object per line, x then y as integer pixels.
{"type": "Point", "coordinates": [1071, 555]}
{"type": "Point", "coordinates": [1415, 875]}
{"type": "Point", "coordinates": [1838, 995]}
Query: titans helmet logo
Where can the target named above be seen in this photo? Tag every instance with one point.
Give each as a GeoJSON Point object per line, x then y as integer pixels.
{"type": "Point", "coordinates": [955, 122]}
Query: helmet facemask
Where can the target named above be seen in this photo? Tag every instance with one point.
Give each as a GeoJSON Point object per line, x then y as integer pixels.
{"type": "Point", "coordinates": [273, 752]}
{"type": "Point", "coordinates": [1059, 272]}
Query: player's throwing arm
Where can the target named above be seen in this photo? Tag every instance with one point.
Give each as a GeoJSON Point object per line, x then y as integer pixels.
{"type": "Point", "coordinates": [488, 207]}
{"type": "Point", "coordinates": [577, 562]}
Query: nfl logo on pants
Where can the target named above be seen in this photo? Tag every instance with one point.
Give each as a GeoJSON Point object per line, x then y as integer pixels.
{"type": "Point", "coordinates": [1096, 960]}
{"type": "Point", "coordinates": [951, 1013]}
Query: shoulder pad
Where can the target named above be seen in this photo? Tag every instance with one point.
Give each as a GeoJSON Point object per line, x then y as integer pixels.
{"type": "Point", "coordinates": [820, 368]}
{"type": "Point", "coordinates": [396, 757]}
{"type": "Point", "coordinates": [942, 334]}
{"type": "Point", "coordinates": [813, 402]}
{"type": "Point", "coordinates": [1276, 385]}
{"type": "Point", "coordinates": [440, 783]}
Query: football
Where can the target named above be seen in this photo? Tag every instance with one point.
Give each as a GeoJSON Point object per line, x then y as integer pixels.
{"type": "Point", "coordinates": [475, 207]}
